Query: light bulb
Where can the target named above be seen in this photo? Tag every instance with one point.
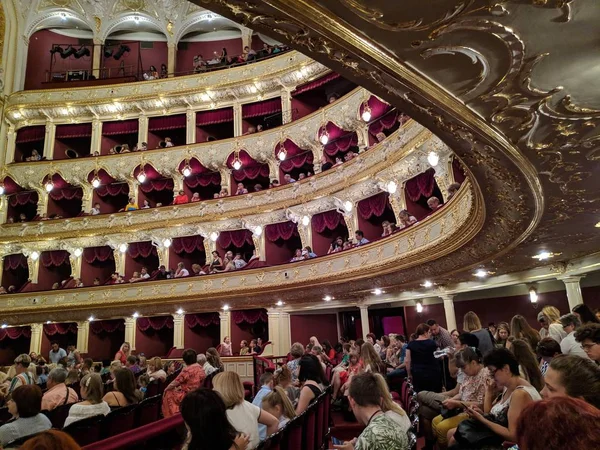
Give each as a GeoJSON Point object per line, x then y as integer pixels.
{"type": "Point", "coordinates": [180, 311]}
{"type": "Point", "coordinates": [187, 171]}
{"type": "Point", "coordinates": [78, 252]}
{"type": "Point", "coordinates": [91, 319]}
{"type": "Point", "coordinates": [324, 138]}
{"type": "Point", "coordinates": [392, 187]}
{"type": "Point", "coordinates": [433, 159]}
{"type": "Point", "coordinates": [1, 189]}
{"type": "Point", "coordinates": [377, 291]}
{"type": "Point", "coordinates": [237, 164]}
{"type": "Point", "coordinates": [258, 230]}
{"type": "Point", "coordinates": [253, 89]}
{"type": "Point", "coordinates": [348, 205]}
{"type": "Point", "coordinates": [123, 248]}
{"type": "Point", "coordinates": [96, 182]}
{"type": "Point", "coordinates": [49, 186]}
{"type": "Point", "coordinates": [214, 236]}
{"type": "Point", "coordinates": [366, 115]}
{"type": "Point", "coordinates": [305, 220]}
{"type": "Point", "coordinates": [328, 298]}
{"type": "Point", "coordinates": [279, 303]}
{"type": "Point", "coordinates": [141, 177]}
{"type": "Point", "coordinates": [225, 307]}
{"type": "Point", "coordinates": [543, 255]}
{"type": "Point", "coordinates": [427, 284]}
{"type": "Point", "coordinates": [281, 155]}
{"type": "Point", "coordinates": [167, 242]}
{"type": "Point", "coordinates": [4, 325]}
{"type": "Point", "coordinates": [533, 296]}
{"type": "Point", "coordinates": [35, 256]}
{"type": "Point", "coordinates": [135, 315]}
{"type": "Point", "coordinates": [419, 308]}
{"type": "Point", "coordinates": [481, 273]}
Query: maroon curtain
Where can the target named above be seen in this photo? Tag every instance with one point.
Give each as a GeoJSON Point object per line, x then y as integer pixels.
{"type": "Point", "coordinates": [214, 117]}
{"type": "Point", "coordinates": [113, 189]}
{"type": "Point", "coordinates": [107, 326]}
{"type": "Point", "coordinates": [188, 244]}
{"type": "Point", "coordinates": [167, 123]}
{"type": "Point", "coordinates": [143, 249]}
{"type": "Point", "coordinates": [31, 134]}
{"type": "Point", "coordinates": [237, 238]}
{"type": "Point", "coordinates": [93, 254]}
{"type": "Point", "coordinates": [385, 123]}
{"type": "Point", "coordinates": [23, 198]}
{"type": "Point", "coordinates": [121, 127]}
{"type": "Point", "coordinates": [14, 332]}
{"type": "Point", "coordinates": [203, 179]}
{"type": "Point", "coordinates": [157, 185]}
{"type": "Point", "coordinates": [12, 262]}
{"type": "Point", "coordinates": [156, 323]}
{"type": "Point", "coordinates": [60, 328]}
{"type": "Point", "coordinates": [69, 193]}
{"type": "Point", "coordinates": [250, 316]}
{"type": "Point", "coordinates": [342, 144]}
{"type": "Point", "coordinates": [282, 230]}
{"type": "Point", "coordinates": [73, 130]}
{"type": "Point", "coordinates": [55, 258]}
{"type": "Point", "coordinates": [202, 320]}
{"type": "Point", "coordinates": [373, 206]}
{"type": "Point", "coordinates": [251, 172]}
{"type": "Point", "coordinates": [421, 185]}
{"type": "Point", "coordinates": [328, 220]}
{"type": "Point", "coordinates": [316, 83]}
{"type": "Point", "coordinates": [263, 108]}
{"type": "Point", "coordinates": [295, 162]}
{"type": "Point", "coordinates": [458, 171]}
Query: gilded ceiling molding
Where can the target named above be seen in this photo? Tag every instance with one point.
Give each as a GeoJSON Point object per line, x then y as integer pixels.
{"type": "Point", "coordinates": [438, 235]}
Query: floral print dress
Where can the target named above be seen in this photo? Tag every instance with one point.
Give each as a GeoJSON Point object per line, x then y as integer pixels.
{"type": "Point", "coordinates": [382, 433]}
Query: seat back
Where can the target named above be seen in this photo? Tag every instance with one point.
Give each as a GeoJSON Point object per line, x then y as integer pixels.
{"type": "Point", "coordinates": [5, 416]}
{"type": "Point", "coordinates": [309, 434]}
{"type": "Point", "coordinates": [154, 388]}
{"type": "Point", "coordinates": [148, 410]}
{"type": "Point", "coordinates": [77, 388]}
{"type": "Point", "coordinates": [18, 442]}
{"type": "Point", "coordinates": [58, 415]}
{"type": "Point", "coordinates": [119, 421]}
{"type": "Point", "coordinates": [86, 431]}
{"type": "Point", "coordinates": [292, 436]}
{"type": "Point", "coordinates": [208, 381]}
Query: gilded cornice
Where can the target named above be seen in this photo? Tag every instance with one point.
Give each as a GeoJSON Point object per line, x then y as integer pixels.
{"type": "Point", "coordinates": [438, 235]}
{"type": "Point", "coordinates": [197, 92]}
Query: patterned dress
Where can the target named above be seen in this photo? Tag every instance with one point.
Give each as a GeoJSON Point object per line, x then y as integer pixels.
{"type": "Point", "coordinates": [190, 379]}
{"type": "Point", "coordinates": [382, 433]}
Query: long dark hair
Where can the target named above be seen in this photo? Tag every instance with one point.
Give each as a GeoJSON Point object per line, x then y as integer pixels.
{"type": "Point", "coordinates": [586, 314]}
{"type": "Point", "coordinates": [126, 386]}
{"type": "Point", "coordinates": [311, 369]}
{"type": "Point", "coordinates": [204, 412]}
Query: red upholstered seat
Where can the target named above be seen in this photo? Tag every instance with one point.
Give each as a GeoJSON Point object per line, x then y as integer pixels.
{"type": "Point", "coordinates": [119, 421]}
{"type": "Point", "coordinates": [58, 415]}
{"type": "Point", "coordinates": [148, 411]}
{"type": "Point", "coordinates": [155, 387]}
{"type": "Point", "coordinates": [309, 434]}
{"type": "Point", "coordinates": [86, 431]}
{"type": "Point", "coordinates": [174, 353]}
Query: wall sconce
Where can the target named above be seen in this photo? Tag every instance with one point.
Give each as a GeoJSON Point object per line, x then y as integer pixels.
{"type": "Point", "coordinates": [96, 181]}
{"type": "Point", "coordinates": [236, 164]}
{"type": "Point", "coordinates": [392, 187]}
{"type": "Point", "coordinates": [123, 248]}
{"type": "Point", "coordinates": [78, 252]}
{"type": "Point", "coordinates": [49, 185]}
{"type": "Point", "coordinates": [258, 230]}
{"type": "Point", "coordinates": [187, 170]}
{"type": "Point", "coordinates": [419, 307]}
{"type": "Point", "coordinates": [533, 296]}
{"type": "Point", "coordinates": [214, 236]}
{"type": "Point", "coordinates": [305, 220]}
{"type": "Point", "coordinates": [282, 152]}
{"type": "Point", "coordinates": [34, 256]}
{"type": "Point", "coordinates": [167, 242]}
{"type": "Point", "coordinates": [433, 158]}
{"type": "Point", "coordinates": [324, 135]}
{"type": "Point", "coordinates": [1, 188]}
{"type": "Point", "coordinates": [141, 177]}
{"type": "Point", "coordinates": [366, 114]}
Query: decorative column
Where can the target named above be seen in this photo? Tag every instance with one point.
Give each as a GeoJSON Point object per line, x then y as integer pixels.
{"type": "Point", "coordinates": [119, 257]}
{"type": "Point", "coordinates": [163, 255]}
{"type": "Point", "coordinates": [1, 261]}
{"type": "Point", "coordinates": [96, 147]}
{"type": "Point", "coordinates": [273, 323]}
{"type": "Point", "coordinates": [317, 151]}
{"type": "Point", "coordinates": [273, 170]}
{"type": "Point", "coordinates": [364, 320]}
{"type": "Point", "coordinates": [398, 202]}
{"type": "Point", "coordinates": [49, 140]}
{"type": "Point", "coordinates": [443, 182]}
{"type": "Point", "coordinates": [83, 335]}
{"type": "Point", "coordinates": [573, 288]}
{"type": "Point", "coordinates": [286, 105]}
{"type": "Point", "coordinates": [190, 126]}
{"type": "Point", "coordinates": [305, 232]}
{"type": "Point", "coordinates": [134, 190]}
{"type": "Point", "coordinates": [3, 209]}
{"type": "Point", "coordinates": [33, 265]}
{"type": "Point", "coordinates": [351, 220]}
{"type": "Point", "coordinates": [171, 56]}
{"type": "Point", "coordinates": [259, 245]}
{"type": "Point", "coordinates": [75, 266]}
{"type": "Point", "coordinates": [35, 345]}
{"type": "Point", "coordinates": [225, 317]}
{"type": "Point", "coordinates": [42, 206]}
{"type": "Point", "coordinates": [130, 328]}
{"type": "Point", "coordinates": [142, 129]}
{"type": "Point", "coordinates": [178, 330]}
{"type": "Point", "coordinates": [96, 58]}
{"type": "Point", "coordinates": [226, 179]}
{"type": "Point", "coordinates": [246, 37]}
{"type": "Point", "coordinates": [87, 201]}
{"type": "Point", "coordinates": [11, 138]}
{"type": "Point", "coordinates": [363, 136]}
{"type": "Point", "coordinates": [449, 310]}
{"type": "Point", "coordinates": [178, 182]}
{"type": "Point", "coordinates": [209, 246]}
{"type": "Point", "coordinates": [237, 119]}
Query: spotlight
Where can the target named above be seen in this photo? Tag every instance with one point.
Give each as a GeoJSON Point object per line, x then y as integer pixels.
{"type": "Point", "coordinates": [377, 291]}
{"type": "Point", "coordinates": [123, 248]}
{"type": "Point", "coordinates": [427, 284]}
{"type": "Point", "coordinates": [305, 220]}
{"type": "Point", "coordinates": [328, 298]}
{"type": "Point", "coordinates": [167, 242]}
{"type": "Point", "coordinates": [481, 273]}
{"type": "Point", "coordinates": [48, 322]}
{"type": "Point", "coordinates": [542, 256]}
{"type": "Point", "coordinates": [433, 159]}
{"type": "Point", "coordinates": [68, 52]}
{"type": "Point", "coordinates": [57, 49]}
{"type": "Point", "coordinates": [35, 256]}
{"type": "Point", "coordinates": [83, 51]}
{"type": "Point", "coordinates": [4, 325]}
{"type": "Point", "coordinates": [419, 308]}
{"type": "Point", "coordinates": [122, 50]}
{"type": "Point", "coordinates": [108, 52]}
{"type": "Point", "coordinates": [78, 252]}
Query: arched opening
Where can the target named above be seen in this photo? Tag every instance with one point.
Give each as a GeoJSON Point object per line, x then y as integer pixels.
{"type": "Point", "coordinates": [140, 255]}
{"type": "Point", "coordinates": [372, 212]}
{"type": "Point", "coordinates": [73, 141]}
{"type": "Point", "coordinates": [15, 272]}
{"type": "Point", "coordinates": [214, 125]}
{"type": "Point", "coordinates": [341, 145]}
{"type": "Point", "coordinates": [22, 204]}
{"type": "Point", "coordinates": [383, 119]}
{"type": "Point", "coordinates": [29, 143]}
{"type": "Point", "coordinates": [236, 241]}
{"type": "Point", "coordinates": [156, 189]}
{"type": "Point", "coordinates": [105, 339]}
{"type": "Point", "coordinates": [297, 162]}
{"type": "Point", "coordinates": [281, 242]}
{"type": "Point", "coordinates": [314, 95]}
{"type": "Point", "coordinates": [251, 173]}
{"type": "Point", "coordinates": [119, 136]}
{"type": "Point", "coordinates": [264, 115]}
{"type": "Point", "coordinates": [54, 270]}
{"type": "Point", "coordinates": [64, 200]}
{"type": "Point", "coordinates": [418, 190]}
{"type": "Point", "coordinates": [167, 131]}
{"type": "Point", "coordinates": [14, 341]}
{"type": "Point", "coordinates": [64, 334]}
{"type": "Point", "coordinates": [458, 171]}
{"type": "Point", "coordinates": [97, 264]}
{"type": "Point", "coordinates": [326, 227]}
{"type": "Point", "coordinates": [202, 331]}
{"type": "Point", "coordinates": [188, 250]}
{"type": "Point", "coordinates": [111, 195]}
{"type": "Point", "coordinates": [200, 180]}
{"type": "Point", "coordinates": [122, 59]}
{"type": "Point", "coordinates": [154, 335]}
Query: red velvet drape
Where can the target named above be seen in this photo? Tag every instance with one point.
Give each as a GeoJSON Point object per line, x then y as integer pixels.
{"type": "Point", "coordinates": [107, 326]}
{"type": "Point", "coordinates": [341, 144]}
{"type": "Point", "coordinates": [188, 244]}
{"type": "Point", "coordinates": [250, 316]}
{"type": "Point", "coordinates": [384, 123]}
{"type": "Point", "coordinates": [203, 179]}
{"type": "Point", "coordinates": [373, 206]}
{"type": "Point", "coordinates": [73, 130]}
{"type": "Point", "coordinates": [14, 332]}
{"type": "Point", "coordinates": [326, 220]}
{"type": "Point", "coordinates": [51, 329]}
{"type": "Point", "coordinates": [157, 185]}
{"type": "Point", "coordinates": [68, 193]}
{"type": "Point", "coordinates": [31, 134]}
{"type": "Point", "coordinates": [54, 258]}
{"type": "Point", "coordinates": [93, 254]}
{"type": "Point", "coordinates": [282, 230]}
{"type": "Point", "coordinates": [458, 171]}
{"type": "Point", "coordinates": [316, 83]}
{"type": "Point", "coordinates": [13, 262]}
{"type": "Point", "coordinates": [156, 323]}
{"type": "Point", "coordinates": [264, 108]}
{"type": "Point", "coordinates": [421, 185]}
{"type": "Point", "coordinates": [237, 238]}
{"type": "Point", "coordinates": [23, 198]}
{"type": "Point", "coordinates": [167, 122]}
{"type": "Point", "coordinates": [113, 190]}
{"type": "Point", "coordinates": [120, 127]}
{"type": "Point", "coordinates": [143, 249]}
{"type": "Point", "coordinates": [202, 320]}
{"type": "Point", "coordinates": [213, 117]}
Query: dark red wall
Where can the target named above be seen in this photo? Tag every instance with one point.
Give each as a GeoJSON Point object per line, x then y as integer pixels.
{"type": "Point", "coordinates": [302, 107]}
{"type": "Point", "coordinates": [136, 264]}
{"type": "Point", "coordinates": [47, 276]}
{"type": "Point", "coordinates": [322, 241]}
{"type": "Point", "coordinates": [153, 342]}
{"type": "Point", "coordinates": [323, 326]}
{"type": "Point", "coordinates": [63, 340]}
{"type": "Point", "coordinates": [196, 257]}
{"type": "Point", "coordinates": [591, 297]}
{"type": "Point", "coordinates": [200, 338]}
{"type": "Point", "coordinates": [280, 251]}
{"type": "Point", "coordinates": [105, 345]}
{"type": "Point", "coordinates": [98, 269]}
{"type": "Point", "coordinates": [185, 57]}
{"type": "Point", "coordinates": [11, 348]}
{"type": "Point", "coordinates": [246, 331]}
{"type": "Point", "coordinates": [413, 319]}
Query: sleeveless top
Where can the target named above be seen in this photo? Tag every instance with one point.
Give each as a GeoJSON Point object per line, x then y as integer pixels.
{"type": "Point", "coordinates": [500, 410]}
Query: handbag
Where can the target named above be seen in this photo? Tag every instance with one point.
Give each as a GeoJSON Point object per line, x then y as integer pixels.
{"type": "Point", "coordinates": [472, 433]}
{"type": "Point", "coordinates": [448, 413]}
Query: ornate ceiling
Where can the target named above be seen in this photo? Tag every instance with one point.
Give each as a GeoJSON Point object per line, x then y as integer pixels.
{"type": "Point", "coordinates": [511, 85]}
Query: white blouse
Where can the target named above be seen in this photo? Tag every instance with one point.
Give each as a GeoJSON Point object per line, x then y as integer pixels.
{"type": "Point", "coordinates": [80, 412]}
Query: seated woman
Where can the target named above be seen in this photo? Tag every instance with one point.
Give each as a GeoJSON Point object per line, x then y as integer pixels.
{"type": "Point", "coordinates": [197, 270]}
{"type": "Point", "coordinates": [243, 415]}
{"type": "Point", "coordinates": [35, 156]}
{"type": "Point", "coordinates": [278, 404]}
{"type": "Point", "coordinates": [212, 356]}
{"type": "Point", "coordinates": [502, 414]}
{"type": "Point", "coordinates": [195, 197]}
{"type": "Point", "coordinates": [297, 256]}
{"type": "Point", "coordinates": [336, 246]}
{"type": "Point", "coordinates": [371, 360]}
{"type": "Point", "coordinates": [125, 392]}
{"type": "Point", "coordinates": [123, 353]}
{"type": "Point", "coordinates": [573, 376]}
{"type": "Point", "coordinates": [217, 262]}
{"type": "Point", "coordinates": [131, 205]}
{"type": "Point", "coordinates": [528, 365]}
{"type": "Point", "coordinates": [92, 404]}
{"type": "Point", "coordinates": [342, 376]}
{"type": "Point", "coordinates": [313, 380]}
{"type": "Point", "coordinates": [188, 380]}
{"type": "Point", "coordinates": [155, 369]}
{"type": "Point", "coordinates": [244, 349]}
{"type": "Point", "coordinates": [25, 405]}
{"type": "Point", "coordinates": [405, 219]}
{"type": "Point", "coordinates": [205, 416]}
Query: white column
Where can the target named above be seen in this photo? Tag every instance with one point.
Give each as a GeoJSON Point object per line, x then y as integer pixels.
{"type": "Point", "coordinates": [237, 120]}
{"type": "Point", "coordinates": [225, 317]}
{"type": "Point", "coordinates": [96, 147]}
{"type": "Point", "coordinates": [286, 105]}
{"type": "Point", "coordinates": [273, 324]}
{"type": "Point", "coordinates": [259, 245]}
{"type": "Point", "coordinates": [96, 57]}
{"type": "Point", "coordinates": [142, 129]}
{"type": "Point", "coordinates": [163, 255]}
{"type": "Point", "coordinates": [573, 288]}
{"type": "Point", "coordinates": [119, 258]}
{"type": "Point", "coordinates": [3, 212]}
{"type": "Point", "coordinates": [178, 330]}
{"type": "Point", "coordinates": [338, 324]}
{"type": "Point", "coordinates": [285, 333]}
{"type": "Point", "coordinates": [11, 138]}
{"type": "Point", "coordinates": [75, 267]}
{"type": "Point", "coordinates": [364, 320]}
{"type": "Point", "coordinates": [449, 310]}
{"type": "Point", "coordinates": [83, 335]}
{"type": "Point", "coordinates": [49, 140]}
{"type": "Point", "coordinates": [130, 329]}
{"type": "Point", "coordinates": [190, 127]}
{"type": "Point", "coordinates": [246, 37]}
{"type": "Point", "coordinates": [35, 345]}
{"type": "Point", "coordinates": [171, 58]}
{"type": "Point", "coordinates": [34, 268]}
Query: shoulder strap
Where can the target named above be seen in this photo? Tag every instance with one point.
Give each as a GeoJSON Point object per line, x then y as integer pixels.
{"type": "Point", "coordinates": [66, 396]}
{"type": "Point", "coordinates": [116, 398]}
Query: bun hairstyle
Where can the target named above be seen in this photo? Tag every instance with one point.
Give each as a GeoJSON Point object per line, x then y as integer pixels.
{"type": "Point", "coordinates": [468, 355]}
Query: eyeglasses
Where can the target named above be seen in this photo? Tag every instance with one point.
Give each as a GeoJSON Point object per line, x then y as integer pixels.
{"type": "Point", "coordinates": [588, 346]}
{"type": "Point", "coordinates": [493, 371]}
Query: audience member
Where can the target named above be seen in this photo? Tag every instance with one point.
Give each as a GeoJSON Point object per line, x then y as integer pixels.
{"type": "Point", "coordinates": [226, 347]}
{"type": "Point", "coordinates": [132, 364]}
{"type": "Point", "coordinates": [546, 350]}
{"type": "Point", "coordinates": [585, 314]}
{"type": "Point", "coordinates": [472, 324]}
{"type": "Point", "coordinates": [528, 365]}
{"type": "Point", "coordinates": [502, 334]}
{"type": "Point", "coordinates": [51, 440]}
{"type": "Point", "coordinates": [589, 338]}
{"type": "Point", "coordinates": [440, 335]}
{"type": "Point", "coordinates": [278, 404]}
{"type": "Point", "coordinates": [569, 346]}
{"type": "Point", "coordinates": [124, 390]}
{"type": "Point", "coordinates": [208, 369]}
{"type": "Point", "coordinates": [155, 369]}
{"type": "Point", "coordinates": [520, 329]}
{"type": "Point", "coordinates": [266, 387]}
{"type": "Point", "coordinates": [123, 353]}
{"type": "Point", "coordinates": [181, 198]}
{"type": "Point", "coordinates": [56, 353]}
{"type": "Point", "coordinates": [421, 364]}
{"type": "Point", "coordinates": [453, 189]}
{"type": "Point", "coordinates": [95, 210]}
{"type": "Point", "coordinates": [181, 271]}
{"type": "Point", "coordinates": [434, 203]}
{"type": "Point", "coordinates": [238, 262]}
{"type": "Point", "coordinates": [214, 359]}
{"type": "Point", "coordinates": [92, 404]}
{"type": "Point", "coordinates": [313, 380]}
{"type": "Point", "coordinates": [549, 318]}
{"type": "Point", "coordinates": [405, 219]}
{"type": "Point", "coordinates": [58, 392]}
{"type": "Point", "coordinates": [573, 376]}
{"type": "Point", "coordinates": [25, 405]}
{"type": "Point", "coordinates": [190, 379]}
{"type": "Point", "coordinates": [360, 238]}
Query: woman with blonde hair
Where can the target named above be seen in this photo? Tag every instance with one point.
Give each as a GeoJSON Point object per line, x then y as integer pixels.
{"type": "Point", "coordinates": [212, 356]}
{"type": "Point", "coordinates": [92, 390]}
{"type": "Point", "coordinates": [123, 353]}
{"type": "Point", "coordinates": [472, 324]}
{"type": "Point", "coordinates": [243, 415]}
{"type": "Point", "coordinates": [370, 359]}
{"type": "Point", "coordinates": [391, 408]}
{"type": "Point", "coordinates": [520, 329]}
{"type": "Point", "coordinates": [551, 327]}
{"type": "Point", "coordinates": [155, 369]}
{"type": "Point", "coordinates": [278, 404]}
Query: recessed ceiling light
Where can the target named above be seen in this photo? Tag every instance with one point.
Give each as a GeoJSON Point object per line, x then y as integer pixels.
{"type": "Point", "coordinates": [48, 322]}
{"type": "Point", "coordinates": [377, 291]}
{"type": "Point", "coordinates": [180, 311]}
{"type": "Point", "coordinates": [597, 225]}
{"type": "Point", "coordinates": [542, 256]}
{"type": "Point", "coordinates": [481, 273]}
{"type": "Point", "coordinates": [225, 307]}
{"type": "Point", "coordinates": [91, 319]}
{"type": "Point", "coordinates": [328, 298]}
{"type": "Point", "coordinates": [279, 303]}
{"type": "Point", "coordinates": [427, 284]}
{"type": "Point", "coordinates": [136, 315]}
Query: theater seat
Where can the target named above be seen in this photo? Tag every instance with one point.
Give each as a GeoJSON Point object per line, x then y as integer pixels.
{"type": "Point", "coordinates": [86, 431]}
{"type": "Point", "coordinates": [119, 421]}
{"type": "Point", "coordinates": [58, 415]}
{"type": "Point", "coordinates": [18, 442]}
{"type": "Point", "coordinates": [148, 411]}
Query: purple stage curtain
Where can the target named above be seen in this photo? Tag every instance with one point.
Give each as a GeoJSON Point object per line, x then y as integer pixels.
{"type": "Point", "coordinates": [282, 230]}
{"type": "Point", "coordinates": [373, 206]}
{"type": "Point", "coordinates": [121, 127]}
{"type": "Point", "coordinates": [263, 108]}
{"type": "Point", "coordinates": [250, 316]}
{"type": "Point", "coordinates": [188, 244]}
{"type": "Point", "coordinates": [12, 262]}
{"type": "Point", "coordinates": [214, 117]}
{"type": "Point", "coordinates": [73, 130]}
{"type": "Point", "coordinates": [69, 193]}
{"type": "Point", "coordinates": [93, 254]}
{"type": "Point", "coordinates": [295, 162]}
{"type": "Point", "coordinates": [107, 326]}
{"type": "Point", "coordinates": [157, 185]}
{"type": "Point", "coordinates": [23, 198]}
{"type": "Point", "coordinates": [251, 173]}
{"type": "Point", "coordinates": [237, 238]}
{"type": "Point", "coordinates": [328, 220]}
{"type": "Point", "coordinates": [31, 134]}
{"type": "Point", "coordinates": [421, 185]}
{"type": "Point", "coordinates": [167, 123]}
{"type": "Point", "coordinates": [14, 332]}
{"type": "Point", "coordinates": [202, 320]}
{"type": "Point", "coordinates": [113, 189]}
{"type": "Point", "coordinates": [143, 249]}
{"type": "Point", "coordinates": [341, 144]}
{"type": "Point", "coordinates": [385, 123]}
{"type": "Point", "coordinates": [458, 171]}
{"type": "Point", "coordinates": [203, 179]}
{"type": "Point", "coordinates": [156, 323]}
{"type": "Point", "coordinates": [61, 328]}
{"type": "Point", "coordinates": [316, 83]}
{"type": "Point", "coordinates": [55, 258]}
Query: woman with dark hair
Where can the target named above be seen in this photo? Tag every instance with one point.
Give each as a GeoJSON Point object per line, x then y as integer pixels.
{"type": "Point", "coordinates": [125, 392]}
{"type": "Point", "coordinates": [528, 365]}
{"type": "Point", "coordinates": [502, 334]}
{"type": "Point", "coordinates": [328, 350]}
{"type": "Point", "coordinates": [217, 262]}
{"type": "Point", "coordinates": [546, 350]}
{"type": "Point", "coordinates": [573, 376]}
{"type": "Point", "coordinates": [313, 380]}
{"type": "Point", "coordinates": [190, 379]}
{"type": "Point", "coordinates": [205, 416]}
{"type": "Point", "coordinates": [421, 365]}
{"type": "Point", "coordinates": [336, 246]}
{"type": "Point", "coordinates": [585, 314]}
{"type": "Point", "coordinates": [25, 404]}
{"type": "Point", "coordinates": [212, 356]}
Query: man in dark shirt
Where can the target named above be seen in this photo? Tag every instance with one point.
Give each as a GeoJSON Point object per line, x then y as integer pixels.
{"type": "Point", "coordinates": [440, 335]}
{"type": "Point", "coordinates": [162, 273]}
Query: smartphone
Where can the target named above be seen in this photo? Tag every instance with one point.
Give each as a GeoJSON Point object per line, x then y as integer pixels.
{"type": "Point", "coordinates": [465, 405]}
